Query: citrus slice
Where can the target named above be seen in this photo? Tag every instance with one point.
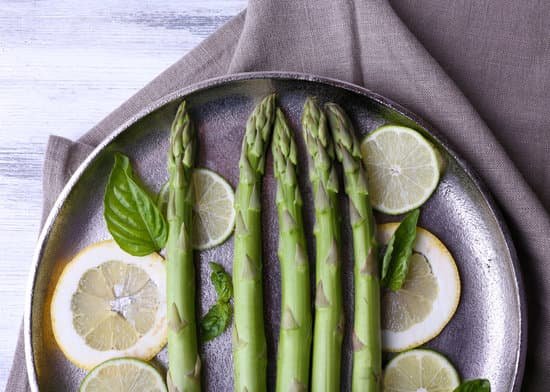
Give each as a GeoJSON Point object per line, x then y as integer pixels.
{"type": "Point", "coordinates": [403, 168]}
{"type": "Point", "coordinates": [123, 375]}
{"type": "Point", "coordinates": [420, 310]}
{"type": "Point", "coordinates": [214, 215]}
{"type": "Point", "coordinates": [110, 304]}
{"type": "Point", "coordinates": [420, 371]}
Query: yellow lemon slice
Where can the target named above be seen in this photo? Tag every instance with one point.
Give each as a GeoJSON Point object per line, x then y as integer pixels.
{"type": "Point", "coordinates": [110, 304]}
{"type": "Point", "coordinates": [420, 310]}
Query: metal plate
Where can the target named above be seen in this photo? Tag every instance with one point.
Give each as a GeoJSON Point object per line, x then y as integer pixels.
{"type": "Point", "coordinates": [486, 337]}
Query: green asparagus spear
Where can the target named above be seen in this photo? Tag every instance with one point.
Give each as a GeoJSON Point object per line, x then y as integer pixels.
{"type": "Point", "coordinates": [249, 344]}
{"type": "Point", "coordinates": [293, 355]}
{"type": "Point", "coordinates": [367, 355]}
{"type": "Point", "coordinates": [329, 315]}
{"type": "Point", "coordinates": [183, 355]}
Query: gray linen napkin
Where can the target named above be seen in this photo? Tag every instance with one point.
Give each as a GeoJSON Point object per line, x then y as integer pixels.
{"type": "Point", "coordinates": [498, 51]}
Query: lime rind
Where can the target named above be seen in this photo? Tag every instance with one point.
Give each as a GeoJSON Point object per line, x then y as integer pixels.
{"type": "Point", "coordinates": [138, 363]}
{"type": "Point", "coordinates": [381, 184]}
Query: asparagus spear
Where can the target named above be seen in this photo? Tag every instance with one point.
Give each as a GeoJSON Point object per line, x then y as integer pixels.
{"type": "Point", "coordinates": [329, 316]}
{"type": "Point", "coordinates": [249, 344]}
{"type": "Point", "coordinates": [366, 328]}
{"type": "Point", "coordinates": [293, 355]}
{"type": "Point", "coordinates": [183, 356]}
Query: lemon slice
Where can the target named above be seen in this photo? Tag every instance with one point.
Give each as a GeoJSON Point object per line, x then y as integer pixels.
{"type": "Point", "coordinates": [123, 375]}
{"type": "Point", "coordinates": [214, 215]}
{"type": "Point", "coordinates": [110, 304]}
{"type": "Point", "coordinates": [420, 310]}
{"type": "Point", "coordinates": [420, 371]}
{"type": "Point", "coordinates": [403, 168]}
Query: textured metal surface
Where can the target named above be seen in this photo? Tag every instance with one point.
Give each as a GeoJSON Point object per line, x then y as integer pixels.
{"type": "Point", "coordinates": [486, 338]}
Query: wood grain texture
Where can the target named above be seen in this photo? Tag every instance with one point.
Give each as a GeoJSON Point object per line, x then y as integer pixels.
{"type": "Point", "coordinates": [64, 65]}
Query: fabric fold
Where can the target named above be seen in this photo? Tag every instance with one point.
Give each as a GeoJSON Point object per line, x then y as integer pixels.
{"type": "Point", "coordinates": [366, 43]}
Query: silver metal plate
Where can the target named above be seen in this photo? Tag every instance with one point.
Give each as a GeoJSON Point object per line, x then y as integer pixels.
{"type": "Point", "coordinates": [486, 337]}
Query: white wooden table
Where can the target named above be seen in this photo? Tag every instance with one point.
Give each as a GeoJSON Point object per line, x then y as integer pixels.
{"type": "Point", "coordinates": [64, 65]}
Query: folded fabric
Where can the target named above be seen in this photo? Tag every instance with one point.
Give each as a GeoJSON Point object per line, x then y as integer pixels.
{"type": "Point", "coordinates": [366, 43]}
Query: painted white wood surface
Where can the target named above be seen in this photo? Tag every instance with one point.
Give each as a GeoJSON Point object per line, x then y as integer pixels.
{"type": "Point", "coordinates": [64, 65]}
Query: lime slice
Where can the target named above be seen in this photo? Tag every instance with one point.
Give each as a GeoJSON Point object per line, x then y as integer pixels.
{"type": "Point", "coordinates": [420, 310]}
{"type": "Point", "coordinates": [420, 371]}
{"type": "Point", "coordinates": [214, 215]}
{"type": "Point", "coordinates": [123, 375]}
{"type": "Point", "coordinates": [403, 168]}
{"type": "Point", "coordinates": [110, 304]}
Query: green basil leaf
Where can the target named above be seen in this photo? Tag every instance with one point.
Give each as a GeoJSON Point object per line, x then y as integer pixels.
{"type": "Point", "coordinates": [480, 385]}
{"type": "Point", "coordinates": [395, 264]}
{"type": "Point", "coordinates": [222, 282]}
{"type": "Point", "coordinates": [132, 218]}
{"type": "Point", "coordinates": [215, 321]}
{"type": "Point", "coordinates": [387, 258]}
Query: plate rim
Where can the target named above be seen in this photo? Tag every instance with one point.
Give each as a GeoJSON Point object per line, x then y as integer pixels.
{"type": "Point", "coordinates": [274, 75]}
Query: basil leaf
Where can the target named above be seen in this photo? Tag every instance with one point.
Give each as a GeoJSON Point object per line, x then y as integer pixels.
{"type": "Point", "coordinates": [132, 218]}
{"type": "Point", "coordinates": [395, 264]}
{"type": "Point", "coordinates": [480, 385]}
{"type": "Point", "coordinates": [222, 282]}
{"type": "Point", "coordinates": [387, 258]}
{"type": "Point", "coordinates": [215, 321]}
{"type": "Point", "coordinates": [218, 317]}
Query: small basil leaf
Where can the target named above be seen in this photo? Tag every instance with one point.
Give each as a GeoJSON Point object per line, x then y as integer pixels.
{"type": "Point", "coordinates": [395, 264]}
{"type": "Point", "coordinates": [215, 321]}
{"type": "Point", "coordinates": [480, 385]}
{"type": "Point", "coordinates": [132, 218]}
{"type": "Point", "coordinates": [222, 282]}
{"type": "Point", "coordinates": [387, 258]}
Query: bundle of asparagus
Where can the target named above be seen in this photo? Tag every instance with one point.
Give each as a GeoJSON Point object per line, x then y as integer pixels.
{"type": "Point", "coordinates": [249, 343]}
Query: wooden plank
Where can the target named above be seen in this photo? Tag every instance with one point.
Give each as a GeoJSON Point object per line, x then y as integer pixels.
{"type": "Point", "coordinates": [64, 65]}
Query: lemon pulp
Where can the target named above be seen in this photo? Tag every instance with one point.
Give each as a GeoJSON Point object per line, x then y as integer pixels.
{"type": "Point", "coordinates": [115, 304]}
